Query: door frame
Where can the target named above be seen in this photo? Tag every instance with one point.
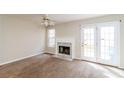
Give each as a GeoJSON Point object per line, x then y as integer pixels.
{"type": "Point", "coordinates": [82, 42]}
{"type": "Point", "coordinates": [117, 42]}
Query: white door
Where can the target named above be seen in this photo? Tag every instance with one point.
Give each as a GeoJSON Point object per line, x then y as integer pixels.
{"type": "Point", "coordinates": [99, 43]}
{"type": "Point", "coordinates": [107, 43]}
{"type": "Point", "coordinates": [88, 44]}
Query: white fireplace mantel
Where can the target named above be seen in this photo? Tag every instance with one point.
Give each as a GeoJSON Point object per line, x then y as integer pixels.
{"type": "Point", "coordinates": [68, 44]}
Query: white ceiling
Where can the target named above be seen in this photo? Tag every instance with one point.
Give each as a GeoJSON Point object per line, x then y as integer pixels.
{"type": "Point", "coordinates": [59, 18]}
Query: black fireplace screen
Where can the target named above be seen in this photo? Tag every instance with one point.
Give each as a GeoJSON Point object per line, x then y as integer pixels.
{"type": "Point", "coordinates": [64, 50]}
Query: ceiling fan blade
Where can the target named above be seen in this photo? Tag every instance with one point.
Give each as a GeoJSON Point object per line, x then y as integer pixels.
{"type": "Point", "coordinates": [44, 16]}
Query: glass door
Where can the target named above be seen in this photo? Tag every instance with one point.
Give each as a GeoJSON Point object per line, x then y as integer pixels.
{"type": "Point", "coordinates": [100, 43]}
{"type": "Point", "coordinates": [88, 43]}
{"type": "Point", "coordinates": [107, 43]}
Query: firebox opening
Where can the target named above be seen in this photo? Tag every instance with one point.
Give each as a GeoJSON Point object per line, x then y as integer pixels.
{"type": "Point", "coordinates": [64, 50]}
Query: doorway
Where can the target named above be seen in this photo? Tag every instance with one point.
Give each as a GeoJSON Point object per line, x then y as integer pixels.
{"type": "Point", "coordinates": [99, 43]}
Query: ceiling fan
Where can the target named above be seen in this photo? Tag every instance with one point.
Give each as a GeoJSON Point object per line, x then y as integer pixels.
{"type": "Point", "coordinates": [46, 21]}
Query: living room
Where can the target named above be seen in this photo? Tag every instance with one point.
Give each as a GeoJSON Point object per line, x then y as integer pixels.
{"type": "Point", "coordinates": [94, 40]}
{"type": "Point", "coordinates": [61, 46]}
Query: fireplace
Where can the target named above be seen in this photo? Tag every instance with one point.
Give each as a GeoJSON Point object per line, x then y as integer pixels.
{"type": "Point", "coordinates": [64, 50]}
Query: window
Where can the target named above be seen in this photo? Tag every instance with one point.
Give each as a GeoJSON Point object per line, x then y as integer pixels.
{"type": "Point", "coordinates": [51, 37]}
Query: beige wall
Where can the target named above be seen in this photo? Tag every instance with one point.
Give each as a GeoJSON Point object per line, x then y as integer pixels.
{"type": "Point", "coordinates": [71, 31]}
{"type": "Point", "coordinates": [1, 40]}
{"type": "Point", "coordinates": [122, 45]}
{"type": "Point", "coordinates": [20, 38]}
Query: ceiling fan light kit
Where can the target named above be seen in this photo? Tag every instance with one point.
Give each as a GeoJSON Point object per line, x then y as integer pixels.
{"type": "Point", "coordinates": [47, 22]}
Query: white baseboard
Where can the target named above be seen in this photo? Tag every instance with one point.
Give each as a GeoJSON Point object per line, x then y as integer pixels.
{"type": "Point", "coordinates": [121, 67]}
{"type": "Point", "coordinates": [18, 59]}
